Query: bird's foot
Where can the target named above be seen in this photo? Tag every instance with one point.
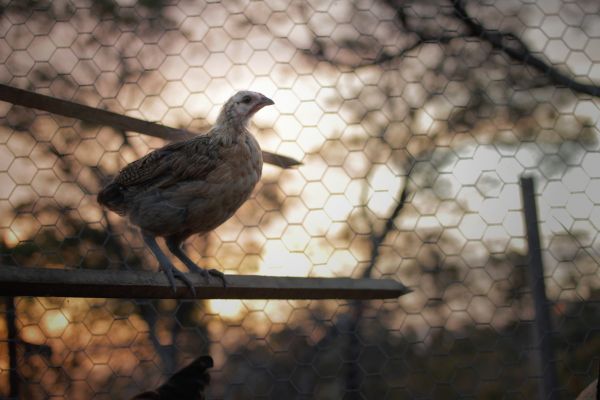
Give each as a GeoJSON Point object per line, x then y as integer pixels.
{"type": "Point", "coordinates": [171, 272]}
{"type": "Point", "coordinates": [217, 274]}
{"type": "Point", "coordinates": [206, 273]}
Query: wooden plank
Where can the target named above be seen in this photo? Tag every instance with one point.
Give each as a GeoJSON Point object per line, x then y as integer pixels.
{"type": "Point", "coordinates": [21, 281]}
{"type": "Point", "coordinates": [98, 116]}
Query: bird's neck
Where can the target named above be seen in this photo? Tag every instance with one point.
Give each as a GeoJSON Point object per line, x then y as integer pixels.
{"type": "Point", "coordinates": [230, 127]}
{"type": "Point", "coordinates": [230, 119]}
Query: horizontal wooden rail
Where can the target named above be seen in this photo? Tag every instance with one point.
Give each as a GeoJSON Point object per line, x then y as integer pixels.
{"type": "Point", "coordinates": [98, 116]}
{"type": "Point", "coordinates": [22, 281]}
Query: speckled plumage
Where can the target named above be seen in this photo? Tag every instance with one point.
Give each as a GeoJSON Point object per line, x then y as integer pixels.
{"type": "Point", "coordinates": [192, 186]}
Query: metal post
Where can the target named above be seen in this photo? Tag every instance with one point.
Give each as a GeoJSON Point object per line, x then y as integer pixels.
{"type": "Point", "coordinates": [542, 316]}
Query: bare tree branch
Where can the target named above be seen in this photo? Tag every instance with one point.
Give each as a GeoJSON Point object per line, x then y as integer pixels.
{"type": "Point", "coordinates": [423, 39]}
{"type": "Point", "coordinates": [353, 348]}
{"type": "Point", "coordinates": [505, 42]}
{"type": "Point", "coordinates": [377, 239]}
{"type": "Point", "coordinates": [318, 51]}
{"type": "Point", "coordinates": [516, 49]}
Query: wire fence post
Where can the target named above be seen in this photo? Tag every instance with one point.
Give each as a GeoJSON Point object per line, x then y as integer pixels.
{"type": "Point", "coordinates": [542, 316]}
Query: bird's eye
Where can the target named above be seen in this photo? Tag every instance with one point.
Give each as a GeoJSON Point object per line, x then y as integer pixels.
{"type": "Point", "coordinates": [246, 99]}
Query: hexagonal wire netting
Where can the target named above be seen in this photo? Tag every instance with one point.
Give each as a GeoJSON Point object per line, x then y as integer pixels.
{"type": "Point", "coordinates": [453, 100]}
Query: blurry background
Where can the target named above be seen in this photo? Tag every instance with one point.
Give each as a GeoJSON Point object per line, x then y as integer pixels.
{"type": "Point", "coordinates": [373, 97]}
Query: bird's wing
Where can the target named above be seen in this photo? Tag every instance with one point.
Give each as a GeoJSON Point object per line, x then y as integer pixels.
{"type": "Point", "coordinates": [191, 159]}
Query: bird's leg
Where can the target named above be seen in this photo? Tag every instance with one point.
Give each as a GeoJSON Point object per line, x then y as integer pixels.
{"type": "Point", "coordinates": [170, 271]}
{"type": "Point", "coordinates": [174, 246]}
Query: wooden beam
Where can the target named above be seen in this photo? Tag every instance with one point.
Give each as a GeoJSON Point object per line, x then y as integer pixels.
{"type": "Point", "coordinates": [21, 281]}
{"type": "Point", "coordinates": [98, 116]}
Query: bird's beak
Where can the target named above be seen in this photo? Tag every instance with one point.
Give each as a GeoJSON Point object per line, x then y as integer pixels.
{"type": "Point", "coordinates": [264, 101]}
{"type": "Point", "coordinates": [267, 101]}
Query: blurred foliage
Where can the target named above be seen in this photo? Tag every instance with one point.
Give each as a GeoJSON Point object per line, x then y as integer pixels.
{"type": "Point", "coordinates": [475, 361]}
{"type": "Point", "coordinates": [465, 331]}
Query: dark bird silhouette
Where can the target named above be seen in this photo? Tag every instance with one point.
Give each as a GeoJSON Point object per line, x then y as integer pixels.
{"type": "Point", "coordinates": [188, 383]}
{"type": "Point", "coordinates": [192, 186]}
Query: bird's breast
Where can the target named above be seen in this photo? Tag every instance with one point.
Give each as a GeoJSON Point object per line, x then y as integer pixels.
{"type": "Point", "coordinates": [228, 186]}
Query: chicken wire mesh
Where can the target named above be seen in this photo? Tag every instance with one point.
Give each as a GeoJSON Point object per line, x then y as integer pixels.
{"type": "Point", "coordinates": [372, 97]}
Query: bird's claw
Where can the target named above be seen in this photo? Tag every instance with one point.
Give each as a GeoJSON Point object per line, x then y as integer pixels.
{"type": "Point", "coordinates": [206, 273]}
{"type": "Point", "coordinates": [172, 273]}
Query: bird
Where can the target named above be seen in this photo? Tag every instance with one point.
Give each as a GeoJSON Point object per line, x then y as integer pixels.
{"type": "Point", "coordinates": [191, 187]}
{"type": "Point", "coordinates": [188, 383]}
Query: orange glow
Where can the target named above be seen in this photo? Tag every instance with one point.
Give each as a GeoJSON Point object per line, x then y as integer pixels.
{"type": "Point", "coordinates": [230, 309]}
{"type": "Point", "coordinates": [361, 135]}
{"type": "Point", "coordinates": [10, 239]}
{"type": "Point", "coordinates": [53, 323]}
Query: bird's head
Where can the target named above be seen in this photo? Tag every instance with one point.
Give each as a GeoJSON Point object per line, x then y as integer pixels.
{"type": "Point", "coordinates": [242, 106]}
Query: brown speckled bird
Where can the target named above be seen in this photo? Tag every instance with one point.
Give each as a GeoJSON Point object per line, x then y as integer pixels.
{"type": "Point", "coordinates": [192, 186]}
